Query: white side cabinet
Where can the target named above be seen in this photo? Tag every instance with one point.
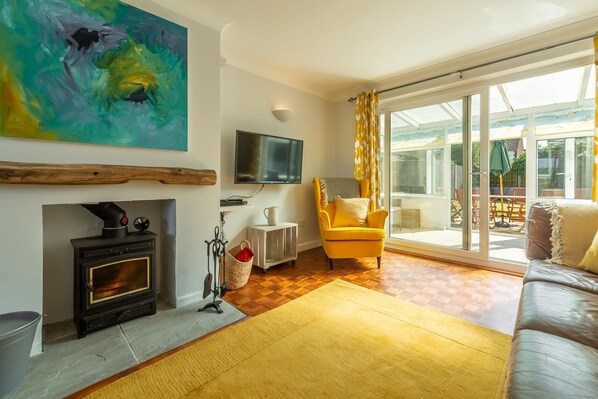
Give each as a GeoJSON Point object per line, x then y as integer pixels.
{"type": "Point", "coordinates": [273, 244]}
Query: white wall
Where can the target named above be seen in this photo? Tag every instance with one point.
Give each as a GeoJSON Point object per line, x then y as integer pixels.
{"type": "Point", "coordinates": [246, 104]}
{"type": "Point", "coordinates": [344, 149]}
{"type": "Point", "coordinates": [21, 237]}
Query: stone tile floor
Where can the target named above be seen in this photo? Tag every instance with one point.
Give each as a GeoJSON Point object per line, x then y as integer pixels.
{"type": "Point", "coordinates": [68, 365]}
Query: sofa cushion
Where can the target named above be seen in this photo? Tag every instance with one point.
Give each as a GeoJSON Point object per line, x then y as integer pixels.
{"type": "Point", "coordinates": [538, 270]}
{"type": "Point", "coordinates": [545, 366]}
{"type": "Point", "coordinates": [354, 233]}
{"type": "Point", "coordinates": [538, 231]}
{"type": "Point", "coordinates": [590, 259]}
{"type": "Point", "coordinates": [573, 228]}
{"type": "Point", "coordinates": [559, 310]}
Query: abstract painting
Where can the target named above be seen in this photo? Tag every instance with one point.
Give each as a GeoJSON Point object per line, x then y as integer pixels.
{"type": "Point", "coordinates": [92, 71]}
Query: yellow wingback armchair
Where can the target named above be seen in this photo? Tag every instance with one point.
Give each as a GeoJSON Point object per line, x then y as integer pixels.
{"type": "Point", "coordinates": [350, 242]}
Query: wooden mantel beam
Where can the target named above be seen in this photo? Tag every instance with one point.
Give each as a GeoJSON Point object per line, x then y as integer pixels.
{"type": "Point", "coordinates": [71, 174]}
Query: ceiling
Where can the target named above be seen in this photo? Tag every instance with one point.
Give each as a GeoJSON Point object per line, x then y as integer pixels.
{"type": "Point", "coordinates": [333, 47]}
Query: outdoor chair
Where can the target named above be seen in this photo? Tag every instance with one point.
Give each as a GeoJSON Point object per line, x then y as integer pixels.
{"type": "Point", "coordinates": [456, 208]}
{"type": "Point", "coordinates": [517, 207]}
{"type": "Point", "coordinates": [475, 211]}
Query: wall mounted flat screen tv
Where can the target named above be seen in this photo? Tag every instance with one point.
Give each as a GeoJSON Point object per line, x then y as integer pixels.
{"type": "Point", "coordinates": [265, 159]}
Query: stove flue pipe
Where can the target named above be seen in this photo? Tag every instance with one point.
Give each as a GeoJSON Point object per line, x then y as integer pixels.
{"type": "Point", "coordinates": [115, 219]}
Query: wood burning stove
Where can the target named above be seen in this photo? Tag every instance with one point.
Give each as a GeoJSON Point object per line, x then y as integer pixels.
{"type": "Point", "coordinates": [114, 280]}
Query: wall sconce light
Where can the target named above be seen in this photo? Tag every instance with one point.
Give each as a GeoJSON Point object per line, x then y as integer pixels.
{"type": "Point", "coordinates": [282, 115]}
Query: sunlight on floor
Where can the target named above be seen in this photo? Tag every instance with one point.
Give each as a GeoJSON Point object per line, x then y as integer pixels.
{"type": "Point", "coordinates": [503, 247]}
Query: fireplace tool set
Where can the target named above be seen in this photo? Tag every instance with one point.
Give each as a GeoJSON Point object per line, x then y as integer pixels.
{"type": "Point", "coordinates": [212, 283]}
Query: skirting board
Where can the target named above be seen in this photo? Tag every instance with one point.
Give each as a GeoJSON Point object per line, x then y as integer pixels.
{"type": "Point", "coordinates": [189, 299]}
{"type": "Point", "coordinates": [197, 296]}
{"type": "Point", "coordinates": [194, 297]}
{"type": "Point", "coordinates": [309, 245]}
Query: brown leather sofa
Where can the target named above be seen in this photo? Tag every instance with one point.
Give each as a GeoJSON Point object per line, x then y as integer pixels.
{"type": "Point", "coordinates": [554, 353]}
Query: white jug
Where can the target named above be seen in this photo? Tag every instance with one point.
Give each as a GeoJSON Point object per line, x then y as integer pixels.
{"type": "Point", "coordinates": [271, 214]}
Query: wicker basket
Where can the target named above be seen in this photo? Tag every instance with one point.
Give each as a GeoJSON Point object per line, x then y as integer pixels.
{"type": "Point", "coordinates": [237, 272]}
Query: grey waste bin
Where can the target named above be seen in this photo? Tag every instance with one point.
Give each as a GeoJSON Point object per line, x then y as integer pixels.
{"type": "Point", "coordinates": [17, 330]}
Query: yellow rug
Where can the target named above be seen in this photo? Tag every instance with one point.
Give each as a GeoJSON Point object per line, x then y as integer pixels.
{"type": "Point", "coordinates": [339, 341]}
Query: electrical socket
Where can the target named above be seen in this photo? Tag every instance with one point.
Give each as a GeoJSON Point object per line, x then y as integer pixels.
{"type": "Point", "coordinates": [301, 222]}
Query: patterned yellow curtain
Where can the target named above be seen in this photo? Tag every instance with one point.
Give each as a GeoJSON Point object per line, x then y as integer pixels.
{"type": "Point", "coordinates": [367, 143]}
{"type": "Point", "coordinates": [595, 179]}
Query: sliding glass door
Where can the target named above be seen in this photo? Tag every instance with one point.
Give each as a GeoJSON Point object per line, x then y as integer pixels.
{"type": "Point", "coordinates": [433, 173]}
{"type": "Point", "coordinates": [447, 197]}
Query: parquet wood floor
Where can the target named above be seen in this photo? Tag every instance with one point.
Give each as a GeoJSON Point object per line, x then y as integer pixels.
{"type": "Point", "coordinates": [480, 296]}
{"type": "Point", "coordinates": [484, 297]}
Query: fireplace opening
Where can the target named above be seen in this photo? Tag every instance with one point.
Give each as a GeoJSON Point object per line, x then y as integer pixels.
{"type": "Point", "coordinates": [64, 222]}
{"type": "Point", "coordinates": [114, 280]}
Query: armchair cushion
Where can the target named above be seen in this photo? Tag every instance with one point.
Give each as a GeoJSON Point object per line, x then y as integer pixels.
{"type": "Point", "coordinates": [354, 234]}
{"type": "Point", "coordinates": [350, 212]}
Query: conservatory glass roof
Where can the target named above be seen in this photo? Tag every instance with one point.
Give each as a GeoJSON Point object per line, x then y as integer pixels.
{"type": "Point", "coordinates": [572, 86]}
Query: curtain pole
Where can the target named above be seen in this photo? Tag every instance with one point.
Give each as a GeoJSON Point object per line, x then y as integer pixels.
{"type": "Point", "coordinates": [484, 64]}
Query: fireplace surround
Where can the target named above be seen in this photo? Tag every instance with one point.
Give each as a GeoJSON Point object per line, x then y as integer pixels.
{"type": "Point", "coordinates": [37, 262]}
{"type": "Point", "coordinates": [114, 280]}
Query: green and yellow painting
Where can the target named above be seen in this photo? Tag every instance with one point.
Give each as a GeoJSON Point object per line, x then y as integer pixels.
{"type": "Point", "coordinates": [92, 71]}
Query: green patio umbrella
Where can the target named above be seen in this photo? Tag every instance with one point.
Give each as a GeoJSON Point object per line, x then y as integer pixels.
{"type": "Point", "coordinates": [499, 166]}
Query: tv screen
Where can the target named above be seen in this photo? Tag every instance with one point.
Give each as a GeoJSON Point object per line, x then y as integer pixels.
{"type": "Point", "coordinates": [265, 159]}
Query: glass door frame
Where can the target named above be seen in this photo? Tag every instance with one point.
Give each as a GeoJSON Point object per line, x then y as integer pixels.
{"type": "Point", "coordinates": [480, 257]}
